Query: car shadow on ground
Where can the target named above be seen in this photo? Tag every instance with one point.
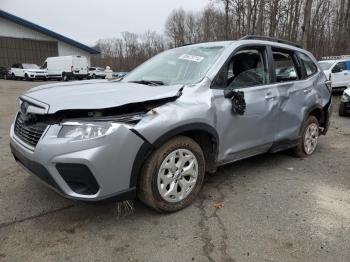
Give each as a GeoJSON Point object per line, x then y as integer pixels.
{"type": "Point", "coordinates": [230, 174]}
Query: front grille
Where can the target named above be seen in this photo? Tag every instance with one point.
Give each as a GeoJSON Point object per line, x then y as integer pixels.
{"type": "Point", "coordinates": [29, 132]}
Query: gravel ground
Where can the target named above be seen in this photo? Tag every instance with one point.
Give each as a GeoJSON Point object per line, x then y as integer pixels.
{"type": "Point", "coordinates": [275, 208]}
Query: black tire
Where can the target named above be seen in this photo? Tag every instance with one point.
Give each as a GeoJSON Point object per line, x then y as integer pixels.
{"type": "Point", "coordinates": [342, 109]}
{"type": "Point", "coordinates": [65, 77]}
{"type": "Point", "coordinates": [299, 150]}
{"type": "Point", "coordinates": [147, 189]}
{"type": "Point", "coordinates": [93, 76]}
{"type": "Point", "coordinates": [13, 76]}
{"type": "Point", "coordinates": [26, 77]}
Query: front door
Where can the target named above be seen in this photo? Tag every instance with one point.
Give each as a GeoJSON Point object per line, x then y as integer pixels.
{"type": "Point", "coordinates": [250, 133]}
{"type": "Point", "coordinates": [340, 75]}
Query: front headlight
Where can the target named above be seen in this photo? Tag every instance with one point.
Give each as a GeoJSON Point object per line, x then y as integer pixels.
{"type": "Point", "coordinates": [82, 131]}
{"type": "Point", "coordinates": [97, 127]}
{"type": "Point", "coordinates": [345, 98]}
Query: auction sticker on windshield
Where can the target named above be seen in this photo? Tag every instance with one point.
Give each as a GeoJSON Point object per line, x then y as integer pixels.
{"type": "Point", "coordinates": [193, 58]}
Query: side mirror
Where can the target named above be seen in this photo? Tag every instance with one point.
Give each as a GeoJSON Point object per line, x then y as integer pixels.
{"type": "Point", "coordinates": [237, 99]}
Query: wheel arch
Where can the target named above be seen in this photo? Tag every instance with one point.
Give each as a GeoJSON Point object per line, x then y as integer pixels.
{"type": "Point", "coordinates": [204, 134]}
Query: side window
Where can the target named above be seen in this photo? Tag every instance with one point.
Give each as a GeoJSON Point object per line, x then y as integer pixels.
{"type": "Point", "coordinates": [246, 68]}
{"type": "Point", "coordinates": [14, 66]}
{"type": "Point", "coordinates": [284, 66]}
{"type": "Point", "coordinates": [339, 67]}
{"type": "Point", "coordinates": [20, 66]}
{"type": "Point", "coordinates": [309, 65]}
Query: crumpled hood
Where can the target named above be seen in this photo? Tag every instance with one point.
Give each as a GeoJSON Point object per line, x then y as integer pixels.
{"type": "Point", "coordinates": [99, 94]}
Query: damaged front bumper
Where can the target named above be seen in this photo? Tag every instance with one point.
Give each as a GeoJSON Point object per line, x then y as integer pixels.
{"type": "Point", "coordinates": [89, 170]}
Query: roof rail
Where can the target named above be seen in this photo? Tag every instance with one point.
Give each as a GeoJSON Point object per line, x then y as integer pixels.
{"type": "Point", "coordinates": [335, 57]}
{"type": "Point", "coordinates": [268, 38]}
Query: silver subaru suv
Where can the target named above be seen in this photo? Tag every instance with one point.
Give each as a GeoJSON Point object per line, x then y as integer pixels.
{"type": "Point", "coordinates": [157, 132]}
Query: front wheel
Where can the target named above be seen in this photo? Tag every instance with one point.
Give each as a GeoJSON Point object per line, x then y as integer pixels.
{"type": "Point", "coordinates": [309, 138]}
{"type": "Point", "coordinates": [172, 176]}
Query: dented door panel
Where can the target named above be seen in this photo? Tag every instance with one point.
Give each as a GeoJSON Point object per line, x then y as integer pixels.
{"type": "Point", "coordinates": [295, 98]}
{"type": "Point", "coordinates": [250, 133]}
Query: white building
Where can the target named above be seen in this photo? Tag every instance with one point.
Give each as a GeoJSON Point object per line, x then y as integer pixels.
{"type": "Point", "coordinates": [22, 41]}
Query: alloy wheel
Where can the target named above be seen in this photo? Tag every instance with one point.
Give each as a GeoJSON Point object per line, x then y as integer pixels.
{"type": "Point", "coordinates": [177, 175]}
{"type": "Point", "coordinates": [311, 138]}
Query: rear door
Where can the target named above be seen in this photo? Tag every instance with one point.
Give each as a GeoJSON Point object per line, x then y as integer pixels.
{"type": "Point", "coordinates": [250, 133]}
{"type": "Point", "coordinates": [20, 70]}
{"type": "Point", "coordinates": [296, 91]}
{"type": "Point", "coordinates": [80, 65]}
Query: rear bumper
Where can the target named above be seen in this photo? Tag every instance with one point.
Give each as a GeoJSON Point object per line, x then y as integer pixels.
{"type": "Point", "coordinates": [89, 171]}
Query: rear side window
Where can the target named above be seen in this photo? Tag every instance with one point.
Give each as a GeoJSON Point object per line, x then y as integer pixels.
{"type": "Point", "coordinates": [285, 68]}
{"type": "Point", "coordinates": [308, 64]}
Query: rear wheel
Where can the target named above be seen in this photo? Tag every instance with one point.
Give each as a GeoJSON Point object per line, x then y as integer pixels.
{"type": "Point", "coordinates": [172, 176]}
{"type": "Point", "coordinates": [65, 77]}
{"type": "Point", "coordinates": [309, 138]}
{"type": "Point", "coordinates": [13, 76]}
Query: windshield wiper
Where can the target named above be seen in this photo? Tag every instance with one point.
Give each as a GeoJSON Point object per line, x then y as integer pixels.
{"type": "Point", "coordinates": [148, 82]}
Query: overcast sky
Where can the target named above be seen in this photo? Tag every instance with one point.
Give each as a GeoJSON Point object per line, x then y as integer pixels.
{"type": "Point", "coordinates": [88, 20]}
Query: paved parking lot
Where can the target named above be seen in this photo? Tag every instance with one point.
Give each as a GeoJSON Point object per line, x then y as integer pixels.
{"type": "Point", "coordinates": [276, 208]}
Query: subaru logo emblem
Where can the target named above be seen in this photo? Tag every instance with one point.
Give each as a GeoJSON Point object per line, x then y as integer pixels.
{"type": "Point", "coordinates": [24, 108]}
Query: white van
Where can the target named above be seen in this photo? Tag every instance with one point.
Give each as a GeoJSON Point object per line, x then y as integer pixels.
{"type": "Point", "coordinates": [66, 67]}
{"type": "Point", "coordinates": [337, 69]}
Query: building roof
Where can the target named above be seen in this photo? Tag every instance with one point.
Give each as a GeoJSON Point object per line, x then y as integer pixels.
{"type": "Point", "coordinates": [46, 31]}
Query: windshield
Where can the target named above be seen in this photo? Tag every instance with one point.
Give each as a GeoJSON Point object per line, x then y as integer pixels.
{"type": "Point", "coordinates": [30, 66]}
{"type": "Point", "coordinates": [325, 65]}
{"type": "Point", "coordinates": [185, 65]}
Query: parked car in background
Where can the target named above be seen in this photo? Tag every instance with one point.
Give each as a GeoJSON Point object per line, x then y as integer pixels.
{"type": "Point", "coordinates": [4, 73]}
{"type": "Point", "coordinates": [97, 72]}
{"type": "Point", "coordinates": [119, 74]}
{"type": "Point", "coordinates": [337, 69]}
{"type": "Point", "coordinates": [27, 72]}
{"type": "Point", "coordinates": [66, 67]}
{"type": "Point", "coordinates": [155, 133]}
{"type": "Point", "coordinates": [344, 107]}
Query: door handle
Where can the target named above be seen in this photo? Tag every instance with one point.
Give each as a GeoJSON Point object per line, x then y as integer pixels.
{"type": "Point", "coordinates": [308, 90]}
{"type": "Point", "coordinates": [269, 96]}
